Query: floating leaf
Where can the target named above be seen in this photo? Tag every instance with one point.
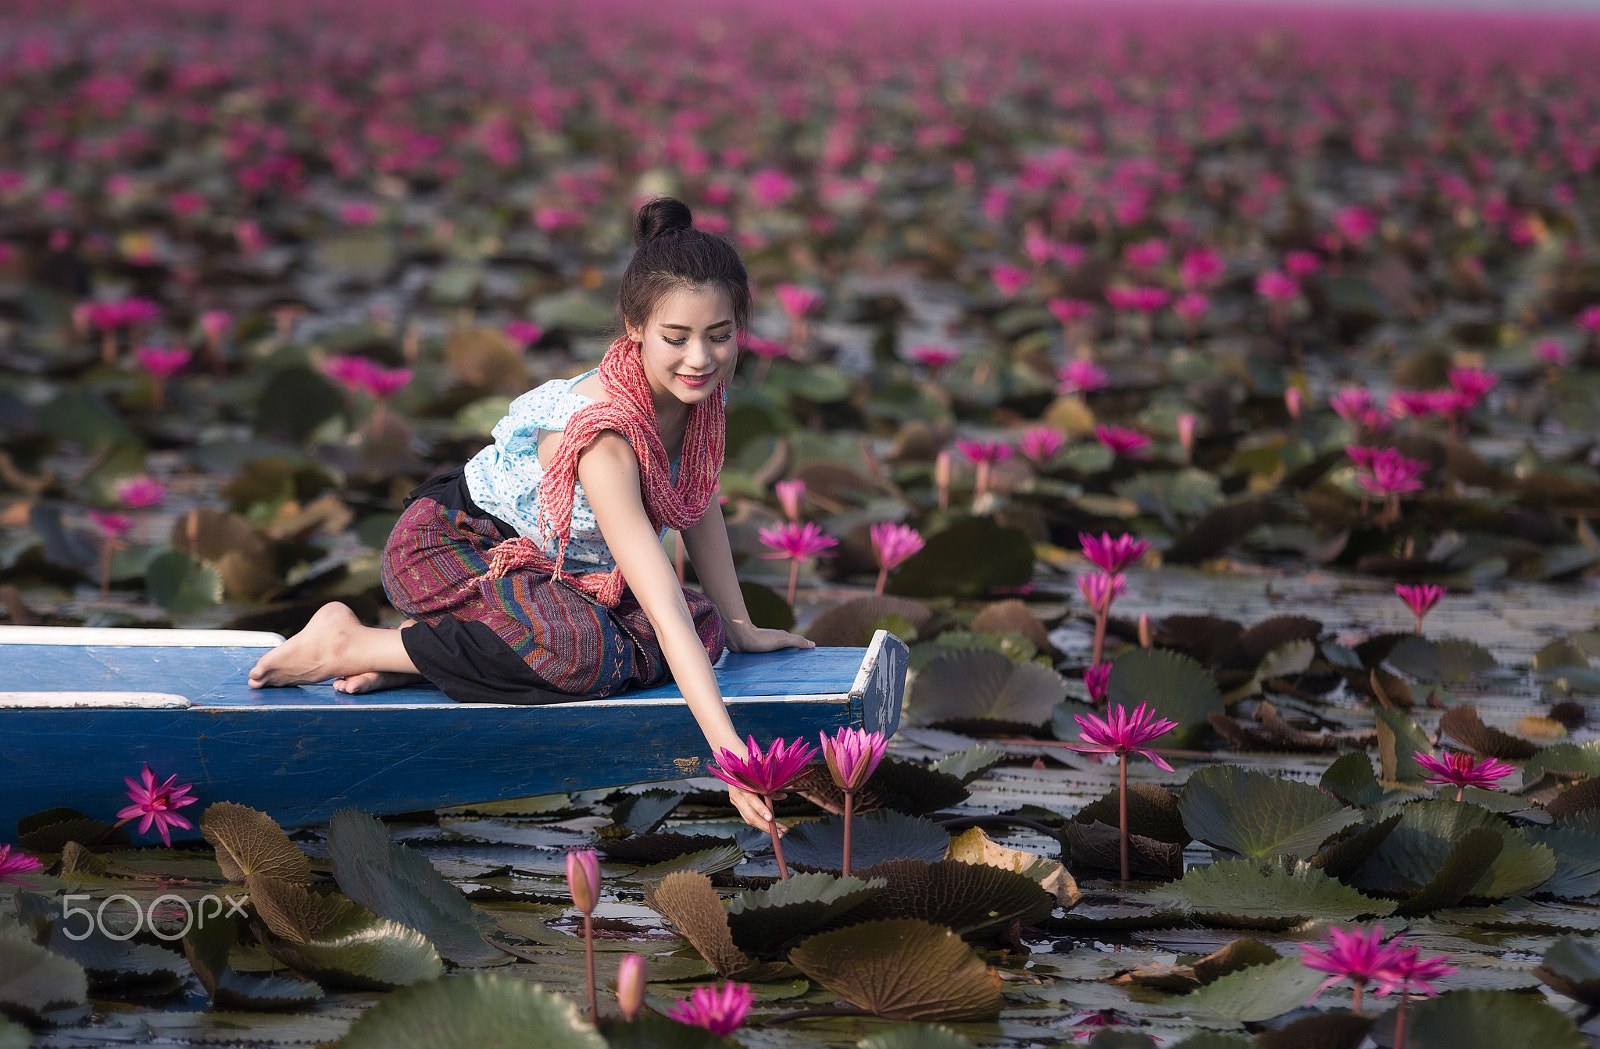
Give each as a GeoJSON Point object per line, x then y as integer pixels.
{"type": "Point", "coordinates": [971, 898]}
{"type": "Point", "coordinates": [1344, 855]}
{"type": "Point", "coordinates": [1412, 856]}
{"type": "Point", "coordinates": [399, 883]}
{"type": "Point", "coordinates": [653, 1031]}
{"type": "Point", "coordinates": [182, 585]}
{"type": "Point", "coordinates": [766, 921]}
{"type": "Point", "coordinates": [974, 846]}
{"type": "Point", "coordinates": [875, 837]}
{"type": "Point", "coordinates": [1014, 617]}
{"type": "Point", "coordinates": [1152, 811]}
{"type": "Point", "coordinates": [1174, 686]}
{"type": "Point", "coordinates": [1577, 854]}
{"type": "Point", "coordinates": [120, 965]}
{"type": "Point", "coordinates": [967, 765]}
{"type": "Point", "coordinates": [979, 684]}
{"type": "Point", "coordinates": [688, 901]}
{"type": "Point", "coordinates": [1205, 639]}
{"type": "Point", "coordinates": [766, 606]}
{"type": "Point", "coordinates": [1249, 894]}
{"type": "Point", "coordinates": [850, 625]}
{"type": "Point", "coordinates": [1098, 846]}
{"type": "Point", "coordinates": [1571, 966]}
{"type": "Point", "coordinates": [903, 786]}
{"type": "Point", "coordinates": [472, 1012]}
{"type": "Point", "coordinates": [714, 860]}
{"type": "Point", "coordinates": [946, 567]}
{"type": "Point", "coordinates": [1463, 725]}
{"type": "Point", "coordinates": [13, 1036]}
{"type": "Point", "coordinates": [52, 830]}
{"type": "Point", "coordinates": [1257, 642]}
{"type": "Point", "coordinates": [362, 951]}
{"type": "Point", "coordinates": [295, 402]}
{"type": "Point", "coordinates": [34, 982]}
{"type": "Point", "coordinates": [1260, 816]}
{"type": "Point", "coordinates": [1328, 1031]}
{"type": "Point", "coordinates": [915, 1036]}
{"type": "Point", "coordinates": [1400, 740]}
{"type": "Point", "coordinates": [657, 848]}
{"type": "Point", "coordinates": [1449, 659]}
{"type": "Point", "coordinates": [1491, 1020]}
{"type": "Point", "coordinates": [249, 842]}
{"type": "Point", "coordinates": [902, 969]}
{"type": "Point", "coordinates": [1236, 955]}
{"type": "Point", "coordinates": [1468, 860]}
{"type": "Point", "coordinates": [1352, 780]}
{"type": "Point", "coordinates": [1258, 993]}
{"type": "Point", "coordinates": [642, 813]}
{"type": "Point", "coordinates": [1567, 760]}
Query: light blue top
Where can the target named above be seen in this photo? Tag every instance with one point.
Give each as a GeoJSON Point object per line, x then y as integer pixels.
{"type": "Point", "coordinates": [504, 477]}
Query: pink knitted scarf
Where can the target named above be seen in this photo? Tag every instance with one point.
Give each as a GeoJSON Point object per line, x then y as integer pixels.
{"type": "Point", "coordinates": [631, 412]}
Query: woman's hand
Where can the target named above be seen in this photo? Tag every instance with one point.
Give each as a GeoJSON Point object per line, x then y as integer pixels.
{"type": "Point", "coordinates": [742, 637]}
{"type": "Point", "coordinates": [755, 810]}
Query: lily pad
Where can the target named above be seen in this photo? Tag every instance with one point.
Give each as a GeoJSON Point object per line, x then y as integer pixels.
{"type": "Point", "coordinates": [182, 585]}
{"type": "Point", "coordinates": [903, 786]}
{"type": "Point", "coordinates": [1566, 760]}
{"type": "Point", "coordinates": [1571, 966]}
{"type": "Point", "coordinates": [469, 1013]}
{"type": "Point", "coordinates": [1152, 812]}
{"type": "Point", "coordinates": [970, 898]}
{"type": "Point", "coordinates": [1468, 860]}
{"type": "Point", "coordinates": [766, 921]}
{"type": "Point", "coordinates": [688, 901]}
{"type": "Point", "coordinates": [658, 848]}
{"type": "Point", "coordinates": [113, 965]}
{"type": "Point", "coordinates": [946, 567]}
{"type": "Point", "coordinates": [851, 624]}
{"type": "Point", "coordinates": [294, 403]}
{"type": "Point", "coordinates": [1258, 993]}
{"type": "Point", "coordinates": [653, 1031]}
{"type": "Point", "coordinates": [967, 765]}
{"type": "Point", "coordinates": [714, 860]}
{"type": "Point", "coordinates": [902, 969]}
{"type": "Point", "coordinates": [399, 883]}
{"type": "Point", "coordinates": [249, 842]}
{"type": "Point", "coordinates": [35, 982]}
{"type": "Point", "coordinates": [1249, 894]}
{"type": "Point", "coordinates": [976, 684]}
{"type": "Point", "coordinates": [915, 1036]}
{"type": "Point", "coordinates": [1172, 685]}
{"type": "Point", "coordinates": [1352, 780]}
{"type": "Point", "coordinates": [1327, 1031]}
{"type": "Point", "coordinates": [766, 606]}
{"type": "Point", "coordinates": [336, 941]}
{"type": "Point", "coordinates": [1098, 846]}
{"type": "Point", "coordinates": [1448, 659]}
{"type": "Point", "coordinates": [644, 812]}
{"type": "Point", "coordinates": [52, 830]}
{"type": "Point", "coordinates": [1400, 740]}
{"type": "Point", "coordinates": [1260, 816]}
{"type": "Point", "coordinates": [1464, 725]}
{"type": "Point", "coordinates": [875, 837]}
{"type": "Point", "coordinates": [1412, 856]}
{"type": "Point", "coordinates": [1491, 1020]}
{"type": "Point", "coordinates": [1577, 854]}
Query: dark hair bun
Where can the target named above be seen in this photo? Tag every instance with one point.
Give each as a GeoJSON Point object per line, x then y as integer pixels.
{"type": "Point", "coordinates": [659, 216]}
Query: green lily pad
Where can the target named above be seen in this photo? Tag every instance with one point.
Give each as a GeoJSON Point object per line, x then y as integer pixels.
{"type": "Point", "coordinates": [1468, 860]}
{"type": "Point", "coordinates": [657, 848]}
{"type": "Point", "coordinates": [975, 684]}
{"type": "Point", "coordinates": [1447, 659]}
{"type": "Point", "coordinates": [766, 606]}
{"type": "Point", "coordinates": [1464, 725]}
{"type": "Point", "coordinates": [471, 1012]}
{"type": "Point", "coordinates": [399, 883]}
{"type": "Point", "coordinates": [915, 1036]}
{"type": "Point", "coordinates": [875, 837]}
{"type": "Point", "coordinates": [295, 403]}
{"type": "Point", "coordinates": [182, 585]}
{"type": "Point", "coordinates": [1571, 966]}
{"type": "Point", "coordinates": [1248, 894]}
{"type": "Point", "coordinates": [249, 842]}
{"type": "Point", "coordinates": [1352, 780]}
{"type": "Point", "coordinates": [1577, 854]}
{"type": "Point", "coordinates": [970, 898]}
{"type": "Point", "coordinates": [851, 624]}
{"type": "Point", "coordinates": [1400, 740]}
{"type": "Point", "coordinates": [904, 786]}
{"type": "Point", "coordinates": [1491, 1020]}
{"type": "Point", "coordinates": [1172, 685]}
{"type": "Point", "coordinates": [1258, 993]}
{"type": "Point", "coordinates": [1260, 816]}
{"type": "Point", "coordinates": [1327, 1031]}
{"type": "Point", "coordinates": [206, 946]}
{"type": "Point", "coordinates": [967, 765]}
{"type": "Point", "coordinates": [714, 860]}
{"type": "Point", "coordinates": [653, 1031]}
{"type": "Point", "coordinates": [902, 969]}
{"type": "Point", "coordinates": [1412, 856]}
{"type": "Point", "coordinates": [52, 830]}
{"type": "Point", "coordinates": [35, 982]}
{"type": "Point", "coordinates": [644, 812]}
{"type": "Point", "coordinates": [946, 567]}
{"type": "Point", "coordinates": [1153, 812]}
{"type": "Point", "coordinates": [688, 901]}
{"type": "Point", "coordinates": [766, 921]}
{"type": "Point", "coordinates": [1567, 760]}
{"type": "Point", "coordinates": [1216, 1040]}
{"type": "Point", "coordinates": [1098, 846]}
{"type": "Point", "coordinates": [336, 941]}
{"type": "Point", "coordinates": [14, 1036]}
{"type": "Point", "coordinates": [120, 965]}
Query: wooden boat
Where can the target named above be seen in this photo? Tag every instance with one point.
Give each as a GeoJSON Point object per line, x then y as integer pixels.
{"type": "Point", "coordinates": [80, 708]}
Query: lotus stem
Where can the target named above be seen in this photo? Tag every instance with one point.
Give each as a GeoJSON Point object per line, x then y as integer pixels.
{"type": "Point", "coordinates": [588, 963]}
{"type": "Point", "coordinates": [1122, 813]}
{"type": "Point", "coordinates": [777, 845]}
{"type": "Point", "coordinates": [883, 578]}
{"type": "Point", "coordinates": [1419, 624]}
{"type": "Point", "coordinates": [794, 577]}
{"type": "Point", "coordinates": [108, 347]}
{"type": "Point", "coordinates": [1355, 995]}
{"type": "Point", "coordinates": [1461, 790]}
{"type": "Point", "coordinates": [849, 809]}
{"type": "Point", "coordinates": [982, 484]}
{"type": "Point", "coordinates": [1400, 1021]}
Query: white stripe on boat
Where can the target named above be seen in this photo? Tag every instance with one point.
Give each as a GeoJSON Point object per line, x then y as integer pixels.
{"type": "Point", "coordinates": [136, 637]}
{"type": "Point", "coordinates": [91, 701]}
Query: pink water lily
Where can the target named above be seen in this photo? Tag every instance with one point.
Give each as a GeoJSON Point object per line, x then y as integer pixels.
{"type": "Point", "coordinates": [630, 985]}
{"type": "Point", "coordinates": [797, 542]}
{"type": "Point", "coordinates": [892, 545]}
{"type": "Point", "coordinates": [153, 804]}
{"type": "Point", "coordinates": [1010, 280]}
{"type": "Point", "coordinates": [797, 301]}
{"type": "Point", "coordinates": [1123, 734]}
{"type": "Point", "coordinates": [13, 865]}
{"type": "Point", "coordinates": [1463, 770]}
{"type": "Point", "coordinates": [719, 1010]}
{"type": "Point", "coordinates": [765, 773]}
{"type": "Point", "coordinates": [583, 883]}
{"type": "Point", "coordinates": [934, 358]}
{"type": "Point", "coordinates": [1201, 267]}
{"type": "Point", "coordinates": [139, 492]}
{"type": "Point", "coordinates": [791, 496]}
{"type": "Point", "coordinates": [523, 333]}
{"type": "Point", "coordinates": [1112, 555]}
{"type": "Point", "coordinates": [1040, 443]}
{"type": "Point", "coordinates": [1097, 680]}
{"type": "Point", "coordinates": [1080, 376]}
{"type": "Point", "coordinates": [1357, 956]}
{"type": "Point", "coordinates": [852, 754]}
{"type": "Point", "coordinates": [1122, 440]}
{"type": "Point", "coordinates": [1420, 597]}
{"type": "Point", "coordinates": [983, 454]}
{"type": "Point", "coordinates": [1408, 973]}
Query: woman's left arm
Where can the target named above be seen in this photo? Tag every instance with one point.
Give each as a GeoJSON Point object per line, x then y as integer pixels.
{"type": "Point", "coordinates": [706, 542]}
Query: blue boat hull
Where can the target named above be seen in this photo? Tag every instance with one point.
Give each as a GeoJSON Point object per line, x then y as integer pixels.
{"type": "Point", "coordinates": [300, 754]}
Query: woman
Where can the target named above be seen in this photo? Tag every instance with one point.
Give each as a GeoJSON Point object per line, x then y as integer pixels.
{"type": "Point", "coordinates": [536, 573]}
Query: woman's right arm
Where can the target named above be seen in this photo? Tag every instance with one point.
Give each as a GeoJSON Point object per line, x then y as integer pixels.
{"type": "Point", "coordinates": [609, 472]}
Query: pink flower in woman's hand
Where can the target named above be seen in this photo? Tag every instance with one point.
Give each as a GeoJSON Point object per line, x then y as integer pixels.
{"type": "Point", "coordinates": [1080, 376]}
{"type": "Point", "coordinates": [799, 541]}
{"type": "Point", "coordinates": [162, 362]}
{"type": "Point", "coordinates": [1070, 311]}
{"type": "Point", "coordinates": [1122, 440]}
{"type": "Point", "coordinates": [719, 1011]}
{"type": "Point", "coordinates": [797, 301]}
{"type": "Point", "coordinates": [583, 879]}
{"type": "Point", "coordinates": [1040, 443]}
{"type": "Point", "coordinates": [763, 772]}
{"type": "Point", "coordinates": [139, 492]}
{"type": "Point", "coordinates": [1100, 589]}
{"type": "Point", "coordinates": [1097, 679]}
{"type": "Point", "coordinates": [852, 754]}
{"type": "Point", "coordinates": [1121, 733]}
{"type": "Point", "coordinates": [155, 804]}
{"type": "Point", "coordinates": [523, 333]}
{"type": "Point", "coordinates": [984, 451]}
{"type": "Point", "coordinates": [934, 357]}
{"type": "Point", "coordinates": [11, 866]}
{"type": "Point", "coordinates": [1462, 769]}
{"type": "Point", "coordinates": [1010, 280]}
{"type": "Point", "coordinates": [112, 526]}
{"type": "Point", "coordinates": [791, 496]}
{"type": "Point", "coordinates": [1112, 555]}
{"type": "Point", "coordinates": [893, 543]}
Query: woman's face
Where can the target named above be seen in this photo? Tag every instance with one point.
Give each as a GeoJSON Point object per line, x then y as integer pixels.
{"type": "Point", "coordinates": [688, 346]}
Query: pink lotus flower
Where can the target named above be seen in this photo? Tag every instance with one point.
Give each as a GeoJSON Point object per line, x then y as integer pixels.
{"type": "Point", "coordinates": [1112, 555]}
{"type": "Point", "coordinates": [765, 773]}
{"type": "Point", "coordinates": [1009, 280]}
{"type": "Point", "coordinates": [162, 362]}
{"type": "Point", "coordinates": [214, 325]}
{"type": "Point", "coordinates": [1355, 956]}
{"type": "Point", "coordinates": [383, 383]}
{"type": "Point", "coordinates": [771, 188]}
{"type": "Point", "coordinates": [798, 542]}
{"type": "Point", "coordinates": [1410, 973]}
{"type": "Point", "coordinates": [1419, 598]}
{"type": "Point", "coordinates": [1472, 385]}
{"type": "Point", "coordinates": [1070, 311]}
{"type": "Point", "coordinates": [983, 451]}
{"type": "Point", "coordinates": [11, 866]}
{"type": "Point", "coordinates": [126, 313]}
{"type": "Point", "coordinates": [248, 236]}
{"type": "Point", "coordinates": [1351, 403]}
{"type": "Point", "coordinates": [139, 492]}
{"type": "Point", "coordinates": [892, 545]}
{"type": "Point", "coordinates": [349, 370]}
{"type": "Point", "coordinates": [1393, 474]}
{"type": "Point", "coordinates": [358, 214]}
{"type": "Point", "coordinates": [157, 804]}
{"type": "Point", "coordinates": [1294, 401]}
{"type": "Point", "coordinates": [852, 754]}
{"type": "Point", "coordinates": [1145, 255]}
{"type": "Point", "coordinates": [185, 204]}
{"type": "Point", "coordinates": [1097, 679]}
{"type": "Point", "coordinates": [1040, 443]}
{"type": "Point", "coordinates": [112, 526]}
{"type": "Point", "coordinates": [934, 358]}
{"type": "Point", "coordinates": [1201, 267]}
{"type": "Point", "coordinates": [1463, 770]}
{"type": "Point", "coordinates": [719, 1011]}
{"type": "Point", "coordinates": [630, 985]}
{"type": "Point", "coordinates": [766, 349]}
{"type": "Point", "coordinates": [1552, 352]}
{"type": "Point", "coordinates": [1099, 589]}
{"type": "Point", "coordinates": [791, 495]}
{"type": "Point", "coordinates": [1122, 733]}
{"type": "Point", "coordinates": [1080, 376]}
{"type": "Point", "coordinates": [1300, 264]}
{"type": "Point", "coordinates": [1412, 403]}
{"type": "Point", "coordinates": [1137, 299]}
{"type": "Point", "coordinates": [1191, 306]}
{"type": "Point", "coordinates": [583, 879]}
{"type": "Point", "coordinates": [1186, 424]}
{"type": "Point", "coordinates": [1122, 440]}
{"type": "Point", "coordinates": [1355, 224]}
{"type": "Point", "coordinates": [798, 301]}
{"type": "Point", "coordinates": [1276, 287]}
{"type": "Point", "coordinates": [523, 333]}
{"type": "Point", "coordinates": [1590, 319]}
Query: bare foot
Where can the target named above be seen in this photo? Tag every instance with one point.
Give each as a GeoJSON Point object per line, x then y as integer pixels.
{"type": "Point", "coordinates": [374, 681]}
{"type": "Point", "coordinates": [313, 654]}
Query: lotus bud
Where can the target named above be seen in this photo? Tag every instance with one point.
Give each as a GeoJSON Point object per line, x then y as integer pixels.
{"type": "Point", "coordinates": [941, 478]}
{"type": "Point", "coordinates": [1294, 399]}
{"type": "Point", "coordinates": [1186, 423]}
{"type": "Point", "coordinates": [630, 986]}
{"type": "Point", "coordinates": [583, 878]}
